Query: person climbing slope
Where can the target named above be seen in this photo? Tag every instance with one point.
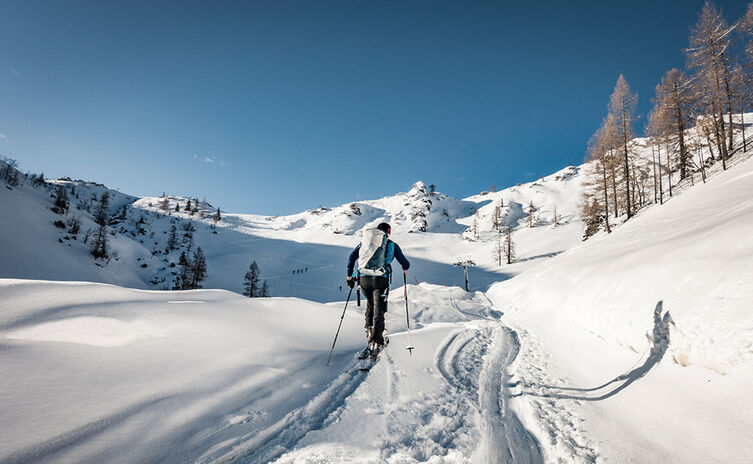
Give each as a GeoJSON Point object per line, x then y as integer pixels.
{"type": "Point", "coordinates": [374, 256]}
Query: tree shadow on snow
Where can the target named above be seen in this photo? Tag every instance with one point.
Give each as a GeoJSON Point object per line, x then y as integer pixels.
{"type": "Point", "coordinates": [659, 345]}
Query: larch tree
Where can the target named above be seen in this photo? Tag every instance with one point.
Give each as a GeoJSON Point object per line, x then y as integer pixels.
{"type": "Point", "coordinates": [622, 105]}
{"type": "Point", "coordinates": [499, 248]}
{"type": "Point", "coordinates": [655, 133]}
{"type": "Point", "coordinates": [708, 56]}
{"type": "Point", "coordinates": [531, 217]}
{"type": "Point", "coordinates": [674, 100]}
{"type": "Point", "coordinates": [509, 246]}
{"type": "Point", "coordinates": [741, 91]}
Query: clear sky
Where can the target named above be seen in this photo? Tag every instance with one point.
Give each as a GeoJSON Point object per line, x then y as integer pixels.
{"type": "Point", "coordinates": [275, 107]}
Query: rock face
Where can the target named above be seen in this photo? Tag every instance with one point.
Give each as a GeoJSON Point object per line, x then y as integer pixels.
{"type": "Point", "coordinates": [419, 207]}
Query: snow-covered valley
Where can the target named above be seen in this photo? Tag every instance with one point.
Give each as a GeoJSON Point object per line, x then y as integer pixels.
{"type": "Point", "coordinates": [635, 346]}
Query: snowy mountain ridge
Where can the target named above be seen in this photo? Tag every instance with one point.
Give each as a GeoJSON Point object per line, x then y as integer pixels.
{"type": "Point", "coordinates": [431, 227]}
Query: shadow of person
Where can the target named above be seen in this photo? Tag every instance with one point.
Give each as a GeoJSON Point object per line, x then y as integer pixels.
{"type": "Point", "coordinates": [659, 344]}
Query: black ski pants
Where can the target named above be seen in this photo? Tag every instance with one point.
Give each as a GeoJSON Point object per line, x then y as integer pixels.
{"type": "Point", "coordinates": [375, 289]}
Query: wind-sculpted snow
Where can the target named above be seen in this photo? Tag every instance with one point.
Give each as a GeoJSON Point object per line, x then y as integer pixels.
{"type": "Point", "coordinates": [98, 373]}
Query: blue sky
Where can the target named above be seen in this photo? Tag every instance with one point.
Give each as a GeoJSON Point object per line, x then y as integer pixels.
{"type": "Point", "coordinates": [275, 107]}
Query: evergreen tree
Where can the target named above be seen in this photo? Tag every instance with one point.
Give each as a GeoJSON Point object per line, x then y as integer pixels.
{"type": "Point", "coordinates": [251, 281]}
{"type": "Point", "coordinates": [61, 199]}
{"type": "Point", "coordinates": [182, 277]}
{"type": "Point", "coordinates": [265, 290]}
{"type": "Point", "coordinates": [172, 239]}
{"type": "Point", "coordinates": [177, 206]}
{"type": "Point", "coordinates": [99, 245]}
{"type": "Point", "coordinates": [164, 204]}
{"type": "Point", "coordinates": [217, 216]}
{"type": "Point", "coordinates": [204, 208]}
{"type": "Point", "coordinates": [74, 225]}
{"type": "Point", "coordinates": [197, 269]}
{"type": "Point", "coordinates": [188, 206]}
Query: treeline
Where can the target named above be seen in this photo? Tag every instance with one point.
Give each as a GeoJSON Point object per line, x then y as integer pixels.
{"type": "Point", "coordinates": [716, 85]}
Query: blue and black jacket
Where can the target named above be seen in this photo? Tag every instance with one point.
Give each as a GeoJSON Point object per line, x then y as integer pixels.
{"type": "Point", "coordinates": [393, 252]}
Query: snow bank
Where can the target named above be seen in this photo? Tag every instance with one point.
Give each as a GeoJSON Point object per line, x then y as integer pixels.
{"type": "Point", "coordinates": [694, 253]}
{"type": "Point", "coordinates": [99, 373]}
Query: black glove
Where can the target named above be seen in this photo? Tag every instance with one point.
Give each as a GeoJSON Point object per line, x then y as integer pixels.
{"type": "Point", "coordinates": [351, 282]}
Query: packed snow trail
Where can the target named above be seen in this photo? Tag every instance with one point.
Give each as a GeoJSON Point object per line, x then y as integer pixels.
{"type": "Point", "coordinates": [447, 402]}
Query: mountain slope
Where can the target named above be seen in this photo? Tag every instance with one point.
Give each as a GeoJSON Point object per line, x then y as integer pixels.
{"type": "Point", "coordinates": [662, 306]}
{"type": "Point", "coordinates": [300, 255]}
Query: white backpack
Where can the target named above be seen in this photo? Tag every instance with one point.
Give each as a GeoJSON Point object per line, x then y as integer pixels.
{"type": "Point", "coordinates": [373, 253]}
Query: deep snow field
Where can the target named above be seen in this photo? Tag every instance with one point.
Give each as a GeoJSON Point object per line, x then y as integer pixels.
{"type": "Point", "coordinates": [635, 346]}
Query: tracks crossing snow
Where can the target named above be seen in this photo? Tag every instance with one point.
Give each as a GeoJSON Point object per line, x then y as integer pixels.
{"type": "Point", "coordinates": [448, 402]}
{"type": "Point", "coordinates": [474, 361]}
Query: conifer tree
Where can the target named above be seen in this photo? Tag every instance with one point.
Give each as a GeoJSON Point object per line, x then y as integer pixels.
{"type": "Point", "coordinates": [499, 248]}
{"type": "Point", "coordinates": [164, 204]}
{"type": "Point", "coordinates": [555, 218]}
{"type": "Point", "coordinates": [742, 91]}
{"type": "Point", "coordinates": [673, 101]}
{"type": "Point", "coordinates": [182, 277]}
{"type": "Point", "coordinates": [265, 290]}
{"type": "Point", "coordinates": [530, 218]}
{"type": "Point", "coordinates": [172, 239]}
{"type": "Point", "coordinates": [198, 269]}
{"type": "Point", "coordinates": [251, 281]}
{"type": "Point", "coordinates": [61, 199]}
{"type": "Point", "coordinates": [622, 106]}
{"type": "Point", "coordinates": [708, 56]}
{"type": "Point", "coordinates": [509, 246]}
{"type": "Point", "coordinates": [99, 245]}
{"type": "Point", "coordinates": [497, 218]}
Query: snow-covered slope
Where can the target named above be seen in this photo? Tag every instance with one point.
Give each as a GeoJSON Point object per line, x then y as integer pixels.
{"type": "Point", "coordinates": [666, 296]}
{"type": "Point", "coordinates": [32, 247]}
{"type": "Point", "coordinates": [631, 347]}
{"type": "Point", "coordinates": [98, 373]}
{"type": "Point", "coordinates": [300, 255]}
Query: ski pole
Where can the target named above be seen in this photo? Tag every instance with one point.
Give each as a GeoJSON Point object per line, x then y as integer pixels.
{"type": "Point", "coordinates": [338, 327]}
{"type": "Point", "coordinates": [407, 319]}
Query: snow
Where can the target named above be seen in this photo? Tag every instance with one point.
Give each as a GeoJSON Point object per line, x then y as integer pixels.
{"type": "Point", "coordinates": [593, 308]}
{"type": "Point", "coordinates": [317, 242]}
{"type": "Point", "coordinates": [630, 347]}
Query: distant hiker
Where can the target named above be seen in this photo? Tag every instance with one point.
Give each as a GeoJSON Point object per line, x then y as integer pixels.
{"type": "Point", "coordinates": [374, 255]}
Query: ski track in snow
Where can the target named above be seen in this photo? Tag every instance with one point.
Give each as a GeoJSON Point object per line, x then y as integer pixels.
{"type": "Point", "coordinates": [463, 416]}
{"type": "Point", "coordinates": [475, 363]}
{"type": "Point", "coordinates": [268, 444]}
